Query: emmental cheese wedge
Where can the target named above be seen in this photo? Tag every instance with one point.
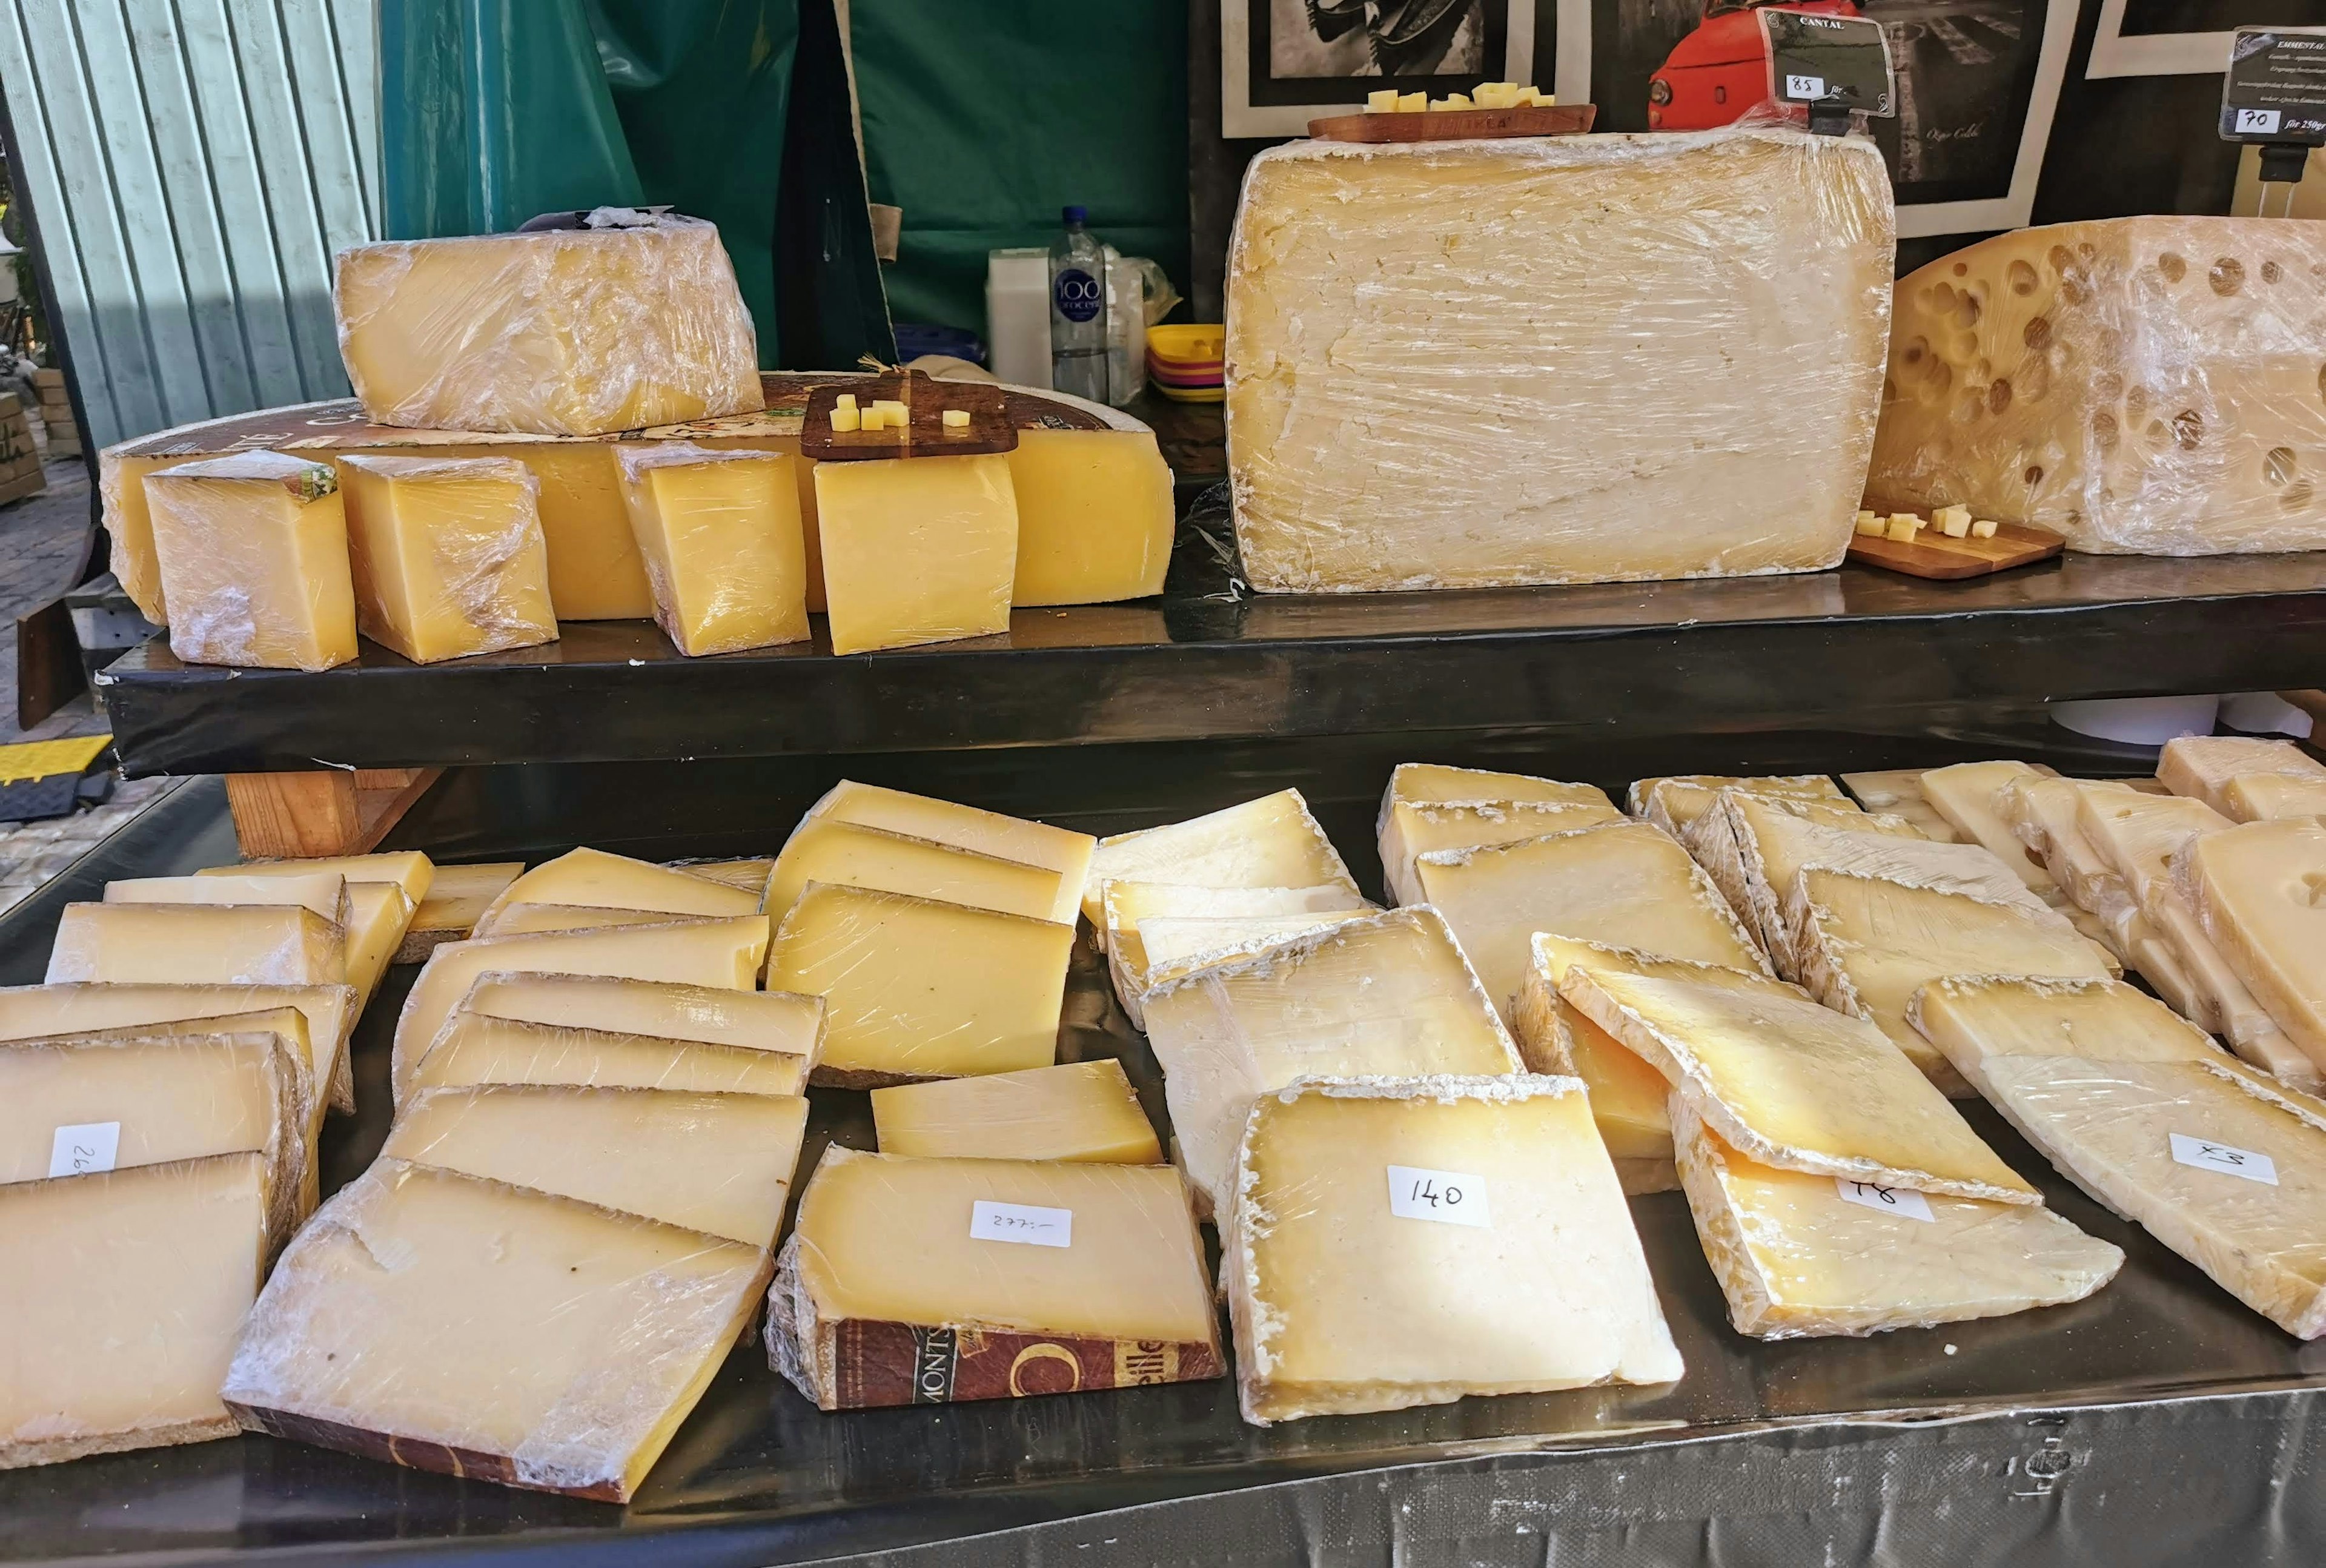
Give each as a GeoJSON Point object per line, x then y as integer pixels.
{"type": "Point", "coordinates": [2265, 797]}
{"type": "Point", "coordinates": [242, 944]}
{"type": "Point", "coordinates": [928, 1281]}
{"type": "Point", "coordinates": [1672, 803]}
{"type": "Point", "coordinates": [2256, 888]}
{"type": "Point", "coordinates": [535, 1341]}
{"type": "Point", "coordinates": [848, 854]}
{"type": "Point", "coordinates": [1076, 1110]}
{"type": "Point", "coordinates": [253, 552]}
{"type": "Point", "coordinates": [1094, 515]}
{"type": "Point", "coordinates": [1399, 1242]}
{"type": "Point", "coordinates": [920, 550]}
{"type": "Point", "coordinates": [712, 1014]}
{"type": "Point", "coordinates": [1965, 795]}
{"type": "Point", "coordinates": [1270, 842]}
{"type": "Point", "coordinates": [1059, 849]}
{"type": "Point", "coordinates": [123, 1293]}
{"type": "Point", "coordinates": [1412, 829]}
{"type": "Point", "coordinates": [1423, 781]}
{"type": "Point", "coordinates": [2205, 767]}
{"type": "Point", "coordinates": [476, 1048]}
{"type": "Point", "coordinates": [1796, 1085]}
{"type": "Point", "coordinates": [448, 554]}
{"type": "Point", "coordinates": [719, 533]}
{"type": "Point", "coordinates": [595, 879]}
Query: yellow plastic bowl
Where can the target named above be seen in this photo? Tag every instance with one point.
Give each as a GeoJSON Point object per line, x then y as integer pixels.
{"type": "Point", "coordinates": [1191, 394]}
{"type": "Point", "coordinates": [1197, 343]}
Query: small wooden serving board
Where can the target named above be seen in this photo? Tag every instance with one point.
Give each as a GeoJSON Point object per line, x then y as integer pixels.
{"type": "Point", "coordinates": [1456, 125]}
{"type": "Point", "coordinates": [989, 427]}
{"type": "Point", "coordinates": [1933, 554]}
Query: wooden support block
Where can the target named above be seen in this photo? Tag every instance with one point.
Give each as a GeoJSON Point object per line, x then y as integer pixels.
{"type": "Point", "coordinates": [290, 816]}
{"type": "Point", "coordinates": [457, 896]}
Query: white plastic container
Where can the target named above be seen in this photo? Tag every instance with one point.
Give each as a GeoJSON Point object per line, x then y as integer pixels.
{"type": "Point", "coordinates": [1017, 315]}
{"type": "Point", "coordinates": [2138, 720]}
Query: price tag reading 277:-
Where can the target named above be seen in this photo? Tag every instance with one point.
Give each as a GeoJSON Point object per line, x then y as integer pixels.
{"type": "Point", "coordinates": [1027, 1224]}
{"type": "Point", "coordinates": [1448, 1197]}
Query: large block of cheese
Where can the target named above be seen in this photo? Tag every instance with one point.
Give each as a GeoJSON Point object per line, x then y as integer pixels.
{"type": "Point", "coordinates": [1272, 842]}
{"type": "Point", "coordinates": [1233, 917]}
{"type": "Point", "coordinates": [2256, 887]}
{"type": "Point", "coordinates": [719, 535]}
{"type": "Point", "coordinates": [594, 879]}
{"type": "Point", "coordinates": [710, 1015]}
{"type": "Point", "coordinates": [448, 554]}
{"type": "Point", "coordinates": [915, 550]}
{"type": "Point", "coordinates": [518, 1337]}
{"type": "Point", "coordinates": [2210, 766]}
{"type": "Point", "coordinates": [1409, 1241]}
{"type": "Point", "coordinates": [835, 850]}
{"type": "Point", "coordinates": [1800, 1255]}
{"type": "Point", "coordinates": [624, 322]}
{"type": "Point", "coordinates": [479, 1048]}
{"type": "Point", "coordinates": [1427, 782]}
{"type": "Point", "coordinates": [1388, 994]}
{"type": "Point", "coordinates": [925, 1281]}
{"type": "Point", "coordinates": [1059, 849]}
{"type": "Point", "coordinates": [1411, 828]}
{"type": "Point", "coordinates": [1467, 365]}
{"type": "Point", "coordinates": [1094, 515]}
{"type": "Point", "coordinates": [720, 1164]}
{"type": "Point", "coordinates": [1076, 1110]}
{"type": "Point", "coordinates": [253, 557]}
{"type": "Point", "coordinates": [914, 987]}
{"type": "Point", "coordinates": [123, 1293]}
{"type": "Point", "coordinates": [2144, 385]}
{"type": "Point", "coordinates": [239, 945]}
{"type": "Point", "coordinates": [1674, 802]}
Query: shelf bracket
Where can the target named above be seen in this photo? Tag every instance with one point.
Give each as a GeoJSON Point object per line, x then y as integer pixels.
{"type": "Point", "coordinates": [331, 812]}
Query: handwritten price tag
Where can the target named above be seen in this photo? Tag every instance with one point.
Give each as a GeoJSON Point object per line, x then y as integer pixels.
{"type": "Point", "coordinates": [1903, 1202]}
{"type": "Point", "coordinates": [84, 1148]}
{"type": "Point", "coordinates": [1024, 1223]}
{"type": "Point", "coordinates": [2208, 1155]}
{"type": "Point", "coordinates": [1447, 1197]}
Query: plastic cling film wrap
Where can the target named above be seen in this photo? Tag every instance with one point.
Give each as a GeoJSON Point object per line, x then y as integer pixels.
{"type": "Point", "coordinates": [129, 523]}
{"type": "Point", "coordinates": [1554, 359]}
{"type": "Point", "coordinates": [252, 559]}
{"type": "Point", "coordinates": [2207, 765]}
{"type": "Point", "coordinates": [773, 1020]}
{"type": "Point", "coordinates": [719, 533]}
{"type": "Point", "coordinates": [2144, 385]}
{"type": "Point", "coordinates": [1075, 1110]}
{"type": "Point", "coordinates": [448, 554]}
{"type": "Point", "coordinates": [557, 332]}
{"type": "Point", "coordinates": [475, 1048]}
{"type": "Point", "coordinates": [197, 944]}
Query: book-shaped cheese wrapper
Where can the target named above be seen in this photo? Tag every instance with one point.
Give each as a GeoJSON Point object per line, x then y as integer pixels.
{"type": "Point", "coordinates": [2255, 887]}
{"type": "Point", "coordinates": [1898, 792]}
{"type": "Point", "coordinates": [2226, 771]}
{"type": "Point", "coordinates": [629, 320]}
{"type": "Point", "coordinates": [769, 1021]}
{"type": "Point", "coordinates": [123, 1292]}
{"type": "Point", "coordinates": [239, 945]}
{"type": "Point", "coordinates": [1792, 1084]}
{"type": "Point", "coordinates": [1272, 842]}
{"type": "Point", "coordinates": [928, 1281]}
{"type": "Point", "coordinates": [1800, 1256]}
{"type": "Point", "coordinates": [1059, 849]}
{"type": "Point", "coordinates": [460, 1325]}
{"type": "Point", "coordinates": [720, 1164]}
{"type": "Point", "coordinates": [2153, 1121]}
{"type": "Point", "coordinates": [914, 987]}
{"type": "Point", "coordinates": [408, 868]}
{"type": "Point", "coordinates": [1675, 802]}
{"type": "Point", "coordinates": [1388, 994]}
{"type": "Point", "coordinates": [448, 554]}
{"type": "Point", "coordinates": [1625, 884]}
{"type": "Point", "coordinates": [1411, 829]}
{"type": "Point", "coordinates": [918, 549]}
{"type": "Point", "coordinates": [476, 1048]}
{"type": "Point", "coordinates": [1435, 372]}
{"type": "Point", "coordinates": [1076, 1110]}
{"type": "Point", "coordinates": [719, 533]}
{"type": "Point", "coordinates": [1967, 795]}
{"type": "Point", "coordinates": [1236, 918]}
{"type": "Point", "coordinates": [1426, 782]}
{"type": "Point", "coordinates": [595, 879]}
{"type": "Point", "coordinates": [1095, 516]}
{"type": "Point", "coordinates": [251, 552]}
{"type": "Point", "coordinates": [1403, 1241]}
{"type": "Point", "coordinates": [2143, 385]}
{"type": "Point", "coordinates": [840, 853]}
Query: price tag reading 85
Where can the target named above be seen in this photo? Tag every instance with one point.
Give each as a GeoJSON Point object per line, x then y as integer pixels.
{"type": "Point", "coordinates": [1448, 1197]}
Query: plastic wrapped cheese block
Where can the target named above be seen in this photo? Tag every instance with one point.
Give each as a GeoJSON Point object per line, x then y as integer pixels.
{"type": "Point", "coordinates": [324, 893]}
{"type": "Point", "coordinates": [1422, 781]}
{"type": "Point", "coordinates": [1076, 1110]}
{"type": "Point", "coordinates": [712, 1014]}
{"type": "Point", "coordinates": [1898, 792]}
{"type": "Point", "coordinates": [915, 550]}
{"type": "Point", "coordinates": [478, 1048]}
{"type": "Point", "coordinates": [1966, 795]}
{"type": "Point", "coordinates": [458, 896]}
{"type": "Point", "coordinates": [123, 1292]}
{"type": "Point", "coordinates": [1193, 920]}
{"type": "Point", "coordinates": [2144, 385]}
{"type": "Point", "coordinates": [928, 1281]}
{"type": "Point", "coordinates": [2210, 766]}
{"type": "Point", "coordinates": [1411, 829]}
{"type": "Point", "coordinates": [630, 319]}
{"type": "Point", "coordinates": [1673, 803]}
{"type": "Point", "coordinates": [252, 552]}
{"type": "Point", "coordinates": [596, 879]}
{"type": "Point", "coordinates": [1388, 995]}
{"type": "Point", "coordinates": [832, 849]}
{"type": "Point", "coordinates": [1094, 515]}
{"type": "Point", "coordinates": [719, 533]}
{"type": "Point", "coordinates": [408, 869]}
{"type": "Point", "coordinates": [1798, 1254]}
{"type": "Point", "coordinates": [522, 919]}
{"type": "Point", "coordinates": [460, 1325]}
{"type": "Point", "coordinates": [1553, 359]}
{"type": "Point", "coordinates": [1270, 842]}
{"type": "Point", "coordinates": [239, 945]}
{"type": "Point", "coordinates": [448, 554]}
{"type": "Point", "coordinates": [2255, 887]}
{"type": "Point", "coordinates": [1059, 849]}
{"type": "Point", "coordinates": [1411, 1242]}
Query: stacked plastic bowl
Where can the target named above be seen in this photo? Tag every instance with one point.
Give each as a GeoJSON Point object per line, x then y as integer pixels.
{"type": "Point", "coordinates": [1184, 361]}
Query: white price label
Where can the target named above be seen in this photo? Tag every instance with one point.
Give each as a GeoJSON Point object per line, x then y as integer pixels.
{"type": "Point", "coordinates": [1024, 1223]}
{"type": "Point", "coordinates": [1448, 1197]}
{"type": "Point", "coordinates": [85, 1149]}
{"type": "Point", "coordinates": [2208, 1155]}
{"type": "Point", "coordinates": [1805, 86]}
{"type": "Point", "coordinates": [1903, 1201]}
{"type": "Point", "coordinates": [2257, 122]}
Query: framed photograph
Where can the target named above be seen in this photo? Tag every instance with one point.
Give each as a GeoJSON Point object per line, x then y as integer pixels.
{"type": "Point", "coordinates": [1285, 62]}
{"type": "Point", "coordinates": [2184, 37]}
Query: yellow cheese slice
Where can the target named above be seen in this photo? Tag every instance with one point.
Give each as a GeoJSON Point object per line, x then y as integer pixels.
{"type": "Point", "coordinates": [1059, 849]}
{"type": "Point", "coordinates": [1411, 829]}
{"type": "Point", "coordinates": [1898, 792]}
{"type": "Point", "coordinates": [522, 919]}
{"type": "Point", "coordinates": [844, 853]}
{"type": "Point", "coordinates": [1076, 1110]}
{"type": "Point", "coordinates": [719, 535]}
{"type": "Point", "coordinates": [1423, 781]}
{"type": "Point", "coordinates": [1966, 795]}
{"type": "Point", "coordinates": [1129, 904]}
{"type": "Point", "coordinates": [448, 554]}
{"type": "Point", "coordinates": [475, 1048]}
{"type": "Point", "coordinates": [755, 1020]}
{"type": "Point", "coordinates": [253, 555]}
{"type": "Point", "coordinates": [457, 899]}
{"type": "Point", "coordinates": [1270, 842]}
{"type": "Point", "coordinates": [2256, 887]}
{"type": "Point", "coordinates": [594, 879]}
{"type": "Point", "coordinates": [1094, 515]}
{"type": "Point", "coordinates": [242, 944]}
{"type": "Point", "coordinates": [325, 892]}
{"type": "Point", "coordinates": [1673, 803]}
{"type": "Point", "coordinates": [915, 550]}
{"type": "Point", "coordinates": [408, 868]}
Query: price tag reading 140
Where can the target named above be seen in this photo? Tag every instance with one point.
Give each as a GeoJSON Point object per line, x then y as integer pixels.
{"type": "Point", "coordinates": [1447, 1197]}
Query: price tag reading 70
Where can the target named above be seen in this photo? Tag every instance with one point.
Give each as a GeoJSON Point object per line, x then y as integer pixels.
{"type": "Point", "coordinates": [1447, 1197]}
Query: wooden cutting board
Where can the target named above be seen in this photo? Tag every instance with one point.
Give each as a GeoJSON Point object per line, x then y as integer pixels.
{"type": "Point", "coordinates": [1933, 554]}
{"type": "Point", "coordinates": [1456, 125]}
{"type": "Point", "coordinates": [926, 435]}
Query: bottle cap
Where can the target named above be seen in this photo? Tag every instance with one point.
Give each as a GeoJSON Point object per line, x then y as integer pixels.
{"type": "Point", "coordinates": [1075, 214]}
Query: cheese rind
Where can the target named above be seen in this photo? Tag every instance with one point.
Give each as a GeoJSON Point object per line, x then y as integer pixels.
{"type": "Point", "coordinates": [448, 555]}
{"type": "Point", "coordinates": [240, 945]}
{"type": "Point", "coordinates": [1272, 842]}
{"type": "Point", "coordinates": [919, 550]}
{"type": "Point", "coordinates": [476, 1048]}
{"type": "Point", "coordinates": [253, 557]}
{"type": "Point", "coordinates": [1076, 1110]}
{"type": "Point", "coordinates": [1423, 781]}
{"type": "Point", "coordinates": [595, 879]}
{"type": "Point", "coordinates": [1673, 803]}
{"type": "Point", "coordinates": [1410, 830]}
{"type": "Point", "coordinates": [841, 853]}
{"type": "Point", "coordinates": [1059, 849]}
{"type": "Point", "coordinates": [719, 535]}
{"type": "Point", "coordinates": [1094, 515]}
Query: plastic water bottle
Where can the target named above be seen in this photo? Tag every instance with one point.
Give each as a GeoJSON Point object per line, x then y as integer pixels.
{"type": "Point", "coordinates": [1078, 311]}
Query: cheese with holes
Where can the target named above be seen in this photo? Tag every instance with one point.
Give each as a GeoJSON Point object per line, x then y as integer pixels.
{"type": "Point", "coordinates": [2269, 796]}
{"type": "Point", "coordinates": [123, 1293]}
{"type": "Point", "coordinates": [324, 893]}
{"type": "Point", "coordinates": [915, 550]}
{"type": "Point", "coordinates": [1410, 830]}
{"type": "Point", "coordinates": [449, 1324]}
{"type": "Point", "coordinates": [2258, 887]}
{"type": "Point", "coordinates": [1898, 792]}
{"type": "Point", "coordinates": [241, 944]}
{"type": "Point", "coordinates": [1422, 781]}
{"type": "Point", "coordinates": [456, 898]}
{"type": "Point", "coordinates": [1626, 885]}
{"type": "Point", "coordinates": [1411, 1241]}
{"type": "Point", "coordinates": [408, 868]}
{"type": "Point", "coordinates": [911, 1281]}
{"type": "Point", "coordinates": [479, 1048]}
{"type": "Point", "coordinates": [1250, 911]}
{"type": "Point", "coordinates": [569, 331]}
{"type": "Point", "coordinates": [595, 879]}
{"type": "Point", "coordinates": [1966, 795]}
{"type": "Point", "coordinates": [845, 854]}
{"type": "Point", "coordinates": [1094, 515]}
{"type": "Point", "coordinates": [1391, 426]}
{"type": "Point", "coordinates": [719, 533]}
{"type": "Point", "coordinates": [1059, 849]}
{"type": "Point", "coordinates": [1076, 1110]}
{"type": "Point", "coordinates": [2208, 766]}
{"type": "Point", "coordinates": [913, 987]}
{"type": "Point", "coordinates": [771, 1020]}
{"type": "Point", "coordinates": [1800, 1255]}
{"type": "Point", "coordinates": [448, 554]}
{"type": "Point", "coordinates": [1672, 803]}
{"type": "Point", "coordinates": [2144, 385]}
{"type": "Point", "coordinates": [2157, 1126]}
{"type": "Point", "coordinates": [253, 556]}
{"type": "Point", "coordinates": [720, 1164]}
{"type": "Point", "coordinates": [1793, 1084]}
{"type": "Point", "coordinates": [1389, 995]}
{"type": "Point", "coordinates": [1272, 842]}
{"type": "Point", "coordinates": [2042, 814]}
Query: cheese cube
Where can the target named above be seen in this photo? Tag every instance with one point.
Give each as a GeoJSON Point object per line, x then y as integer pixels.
{"type": "Point", "coordinates": [719, 533]}
{"type": "Point", "coordinates": [845, 420]}
{"type": "Point", "coordinates": [1403, 1242]}
{"type": "Point", "coordinates": [1955, 526]}
{"type": "Point", "coordinates": [915, 988]}
{"type": "Point", "coordinates": [1410, 830]}
{"type": "Point", "coordinates": [1058, 850]}
{"type": "Point", "coordinates": [1076, 1110]}
{"type": "Point", "coordinates": [580, 331]}
{"type": "Point", "coordinates": [1381, 102]}
{"type": "Point", "coordinates": [1270, 842]}
{"type": "Point", "coordinates": [253, 555]}
{"type": "Point", "coordinates": [774, 1021]}
{"type": "Point", "coordinates": [1413, 103]}
{"type": "Point", "coordinates": [475, 1048]}
{"type": "Point", "coordinates": [1983, 528]}
{"type": "Point", "coordinates": [1129, 905]}
{"type": "Point", "coordinates": [1872, 523]}
{"type": "Point", "coordinates": [1903, 528]}
{"type": "Point", "coordinates": [829, 848]}
{"type": "Point", "coordinates": [926, 1281]}
{"type": "Point", "coordinates": [846, 400]}
{"type": "Point", "coordinates": [448, 555]}
{"type": "Point", "coordinates": [597, 879]}
{"type": "Point", "coordinates": [919, 550]}
{"type": "Point", "coordinates": [956, 419]}
{"type": "Point", "coordinates": [1427, 782]}
{"type": "Point", "coordinates": [243, 944]}
{"type": "Point", "coordinates": [1094, 515]}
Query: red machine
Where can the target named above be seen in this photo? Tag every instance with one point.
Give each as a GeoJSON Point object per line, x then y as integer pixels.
{"type": "Point", "coordinates": [1722, 69]}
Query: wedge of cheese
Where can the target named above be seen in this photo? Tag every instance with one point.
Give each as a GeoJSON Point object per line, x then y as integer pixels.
{"type": "Point", "coordinates": [1388, 994]}
{"type": "Point", "coordinates": [458, 896]}
{"type": "Point", "coordinates": [1200, 920]}
{"type": "Point", "coordinates": [1272, 842]}
{"type": "Point", "coordinates": [1094, 515]}
{"type": "Point", "coordinates": [920, 550]}
{"type": "Point", "coordinates": [2256, 888]}
{"type": "Point", "coordinates": [242, 944]}
{"type": "Point", "coordinates": [253, 555]}
{"type": "Point", "coordinates": [1059, 849]}
{"type": "Point", "coordinates": [846, 854]}
{"type": "Point", "coordinates": [2042, 814]}
{"type": "Point", "coordinates": [324, 893]}
{"type": "Point", "coordinates": [448, 554]}
{"type": "Point", "coordinates": [1672, 803]}
{"type": "Point", "coordinates": [379, 913]}
{"type": "Point", "coordinates": [1898, 792]}
{"type": "Point", "coordinates": [477, 1048]}
{"type": "Point", "coordinates": [1966, 795]}
{"type": "Point", "coordinates": [2205, 767]}
{"type": "Point", "coordinates": [750, 875]}
{"type": "Point", "coordinates": [524, 919]}
{"type": "Point", "coordinates": [1423, 781]}
{"type": "Point", "coordinates": [408, 868]}
{"type": "Point", "coordinates": [1411, 1241]}
{"type": "Point", "coordinates": [1410, 830]}
{"type": "Point", "coordinates": [1177, 946]}
{"type": "Point", "coordinates": [597, 880]}
{"type": "Point", "coordinates": [1076, 1110]}
{"type": "Point", "coordinates": [712, 1014]}
{"type": "Point", "coordinates": [914, 1281]}
{"type": "Point", "coordinates": [719, 533]}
